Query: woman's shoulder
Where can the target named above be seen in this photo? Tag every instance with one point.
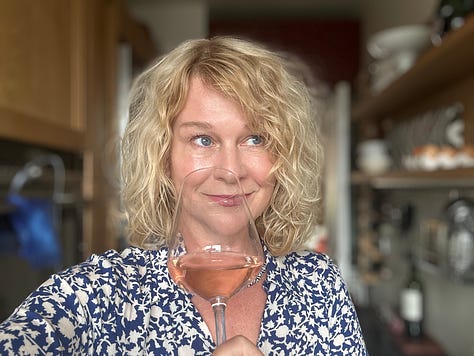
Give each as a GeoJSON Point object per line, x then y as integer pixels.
{"type": "Point", "coordinates": [307, 261]}
{"type": "Point", "coordinates": [111, 266]}
{"type": "Point", "coordinates": [128, 257]}
{"type": "Point", "coordinates": [308, 268]}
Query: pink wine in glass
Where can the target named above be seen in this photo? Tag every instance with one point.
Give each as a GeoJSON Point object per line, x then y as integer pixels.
{"type": "Point", "coordinates": [214, 249]}
{"type": "Point", "coordinates": [214, 274]}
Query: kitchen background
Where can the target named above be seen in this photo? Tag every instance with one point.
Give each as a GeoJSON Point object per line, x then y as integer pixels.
{"type": "Point", "coordinates": [394, 80]}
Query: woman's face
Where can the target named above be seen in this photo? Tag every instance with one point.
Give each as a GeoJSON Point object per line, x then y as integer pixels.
{"type": "Point", "coordinates": [212, 131]}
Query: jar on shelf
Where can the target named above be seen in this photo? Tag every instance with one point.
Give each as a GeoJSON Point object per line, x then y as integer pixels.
{"type": "Point", "coordinates": [373, 156]}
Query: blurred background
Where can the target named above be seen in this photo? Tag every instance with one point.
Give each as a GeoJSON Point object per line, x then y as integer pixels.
{"type": "Point", "coordinates": [394, 84]}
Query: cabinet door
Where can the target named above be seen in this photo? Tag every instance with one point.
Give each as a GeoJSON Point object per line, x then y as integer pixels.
{"type": "Point", "coordinates": [41, 71]}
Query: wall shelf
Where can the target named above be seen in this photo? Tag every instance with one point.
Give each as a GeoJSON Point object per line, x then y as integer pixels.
{"type": "Point", "coordinates": [455, 178]}
{"type": "Point", "coordinates": [438, 67]}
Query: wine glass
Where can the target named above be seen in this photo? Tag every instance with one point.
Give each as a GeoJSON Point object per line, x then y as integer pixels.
{"type": "Point", "coordinates": [214, 249]}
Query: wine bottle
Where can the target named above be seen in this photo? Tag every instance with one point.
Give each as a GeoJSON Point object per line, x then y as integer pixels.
{"type": "Point", "coordinates": [412, 303]}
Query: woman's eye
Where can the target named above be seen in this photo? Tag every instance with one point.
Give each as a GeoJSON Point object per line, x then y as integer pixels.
{"type": "Point", "coordinates": [202, 141]}
{"type": "Point", "coordinates": [255, 140]}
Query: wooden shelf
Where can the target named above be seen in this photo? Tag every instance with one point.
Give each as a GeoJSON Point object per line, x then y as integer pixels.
{"type": "Point", "coordinates": [455, 178]}
{"type": "Point", "coordinates": [32, 130]}
{"type": "Point", "coordinates": [436, 68]}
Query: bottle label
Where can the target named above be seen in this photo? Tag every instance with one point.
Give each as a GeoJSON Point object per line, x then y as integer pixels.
{"type": "Point", "coordinates": [411, 306]}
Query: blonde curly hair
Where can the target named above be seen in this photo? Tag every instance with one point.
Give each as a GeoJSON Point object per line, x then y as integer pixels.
{"type": "Point", "coordinates": [276, 103]}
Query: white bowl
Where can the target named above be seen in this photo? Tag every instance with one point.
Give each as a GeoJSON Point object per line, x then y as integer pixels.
{"type": "Point", "coordinates": [409, 38]}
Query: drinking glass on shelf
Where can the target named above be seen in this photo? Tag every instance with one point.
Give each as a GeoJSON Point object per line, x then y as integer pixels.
{"type": "Point", "coordinates": [214, 249]}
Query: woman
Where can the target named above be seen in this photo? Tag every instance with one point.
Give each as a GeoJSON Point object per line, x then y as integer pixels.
{"type": "Point", "coordinates": [221, 102]}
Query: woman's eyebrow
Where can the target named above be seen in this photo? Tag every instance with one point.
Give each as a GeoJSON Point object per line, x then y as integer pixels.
{"type": "Point", "coordinates": [198, 124]}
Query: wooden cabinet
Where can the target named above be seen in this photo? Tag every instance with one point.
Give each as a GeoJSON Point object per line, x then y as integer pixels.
{"type": "Point", "coordinates": [58, 89]}
{"type": "Point", "coordinates": [42, 72]}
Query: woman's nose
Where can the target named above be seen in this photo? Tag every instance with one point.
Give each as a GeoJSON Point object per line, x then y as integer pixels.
{"type": "Point", "coordinates": [231, 159]}
{"type": "Point", "coordinates": [226, 176]}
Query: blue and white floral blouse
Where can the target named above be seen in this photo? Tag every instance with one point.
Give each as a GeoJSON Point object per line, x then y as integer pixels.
{"type": "Point", "coordinates": [127, 304]}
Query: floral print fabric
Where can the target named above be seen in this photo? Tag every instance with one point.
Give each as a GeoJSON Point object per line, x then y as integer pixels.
{"type": "Point", "coordinates": [127, 304]}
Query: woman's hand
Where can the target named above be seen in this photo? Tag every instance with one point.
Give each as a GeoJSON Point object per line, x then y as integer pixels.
{"type": "Point", "coordinates": [237, 346]}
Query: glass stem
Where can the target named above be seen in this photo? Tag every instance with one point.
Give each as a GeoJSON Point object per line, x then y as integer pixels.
{"type": "Point", "coordinates": [219, 315]}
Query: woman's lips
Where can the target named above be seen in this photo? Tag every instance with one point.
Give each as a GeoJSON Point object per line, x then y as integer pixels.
{"type": "Point", "coordinates": [228, 200]}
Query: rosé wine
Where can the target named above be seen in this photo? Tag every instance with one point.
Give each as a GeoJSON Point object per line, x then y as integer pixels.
{"type": "Point", "coordinates": [214, 274]}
